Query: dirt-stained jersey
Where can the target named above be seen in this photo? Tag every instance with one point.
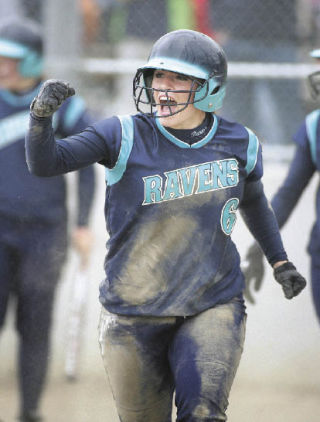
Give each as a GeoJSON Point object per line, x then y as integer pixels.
{"type": "Point", "coordinates": [170, 209]}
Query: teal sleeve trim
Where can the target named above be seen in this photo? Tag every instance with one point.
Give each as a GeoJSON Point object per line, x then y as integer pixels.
{"type": "Point", "coordinates": [311, 124]}
{"type": "Point", "coordinates": [73, 113]}
{"type": "Point", "coordinates": [115, 174]}
{"type": "Point", "coordinates": [252, 151]}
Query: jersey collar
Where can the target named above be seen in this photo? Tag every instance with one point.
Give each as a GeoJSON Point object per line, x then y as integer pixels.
{"type": "Point", "coordinates": [182, 144]}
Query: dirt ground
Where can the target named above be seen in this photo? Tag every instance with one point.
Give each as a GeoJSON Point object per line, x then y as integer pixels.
{"type": "Point", "coordinates": [279, 375]}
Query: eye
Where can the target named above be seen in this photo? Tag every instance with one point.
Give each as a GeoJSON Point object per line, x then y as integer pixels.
{"type": "Point", "coordinates": [158, 74]}
{"type": "Point", "coordinates": [182, 77]}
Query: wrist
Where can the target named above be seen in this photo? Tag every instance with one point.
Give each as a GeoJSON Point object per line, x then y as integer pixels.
{"type": "Point", "coordinates": [278, 264]}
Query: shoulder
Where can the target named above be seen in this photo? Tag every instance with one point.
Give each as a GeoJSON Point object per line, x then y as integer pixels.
{"type": "Point", "coordinates": [244, 144]}
{"type": "Point", "coordinates": [240, 138]}
{"type": "Point", "coordinates": [308, 131]}
{"type": "Point", "coordinates": [234, 130]}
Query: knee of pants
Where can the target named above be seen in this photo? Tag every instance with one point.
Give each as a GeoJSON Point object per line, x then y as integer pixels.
{"type": "Point", "coordinates": [198, 403]}
{"type": "Point", "coordinates": [34, 317]}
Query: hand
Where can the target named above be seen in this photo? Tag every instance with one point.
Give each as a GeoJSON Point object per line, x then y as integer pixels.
{"type": "Point", "coordinates": [291, 281]}
{"type": "Point", "coordinates": [50, 97]}
{"type": "Point", "coordinates": [82, 240]}
{"type": "Point", "coordinates": [253, 271]}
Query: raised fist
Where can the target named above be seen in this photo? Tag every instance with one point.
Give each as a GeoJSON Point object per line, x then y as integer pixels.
{"type": "Point", "coordinates": [50, 97]}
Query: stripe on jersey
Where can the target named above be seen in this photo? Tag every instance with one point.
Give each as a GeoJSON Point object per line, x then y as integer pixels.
{"type": "Point", "coordinates": [311, 124]}
{"type": "Point", "coordinates": [252, 151]}
{"type": "Point", "coordinates": [114, 175]}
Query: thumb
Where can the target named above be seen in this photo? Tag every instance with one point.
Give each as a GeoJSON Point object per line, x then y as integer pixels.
{"type": "Point", "coordinates": [71, 91]}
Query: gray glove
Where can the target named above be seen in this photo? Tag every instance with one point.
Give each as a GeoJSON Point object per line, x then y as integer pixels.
{"type": "Point", "coordinates": [50, 97]}
{"type": "Point", "coordinates": [253, 271]}
{"type": "Point", "coordinates": [291, 281]}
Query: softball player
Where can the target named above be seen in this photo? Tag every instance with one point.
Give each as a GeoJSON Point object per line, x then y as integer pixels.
{"type": "Point", "coordinates": [173, 316]}
{"type": "Point", "coordinates": [33, 217]}
{"type": "Point", "coordinates": [303, 166]}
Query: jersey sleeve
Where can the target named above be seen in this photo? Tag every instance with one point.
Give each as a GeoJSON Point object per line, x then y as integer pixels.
{"type": "Point", "coordinates": [254, 167]}
{"type": "Point", "coordinates": [300, 171]}
{"type": "Point", "coordinates": [260, 220]}
{"type": "Point", "coordinates": [47, 156]}
{"type": "Point", "coordinates": [72, 118]}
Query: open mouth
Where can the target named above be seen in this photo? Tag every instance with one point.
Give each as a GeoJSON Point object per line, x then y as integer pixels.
{"type": "Point", "coordinates": [168, 105]}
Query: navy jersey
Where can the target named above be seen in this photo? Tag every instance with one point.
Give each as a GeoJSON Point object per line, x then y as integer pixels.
{"type": "Point", "coordinates": [305, 163]}
{"type": "Point", "coordinates": [26, 197]}
{"type": "Point", "coordinates": [170, 209]}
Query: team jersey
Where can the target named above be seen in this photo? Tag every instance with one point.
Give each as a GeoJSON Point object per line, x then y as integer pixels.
{"type": "Point", "coordinates": [305, 163]}
{"type": "Point", "coordinates": [170, 209]}
{"type": "Point", "coordinates": [26, 197]}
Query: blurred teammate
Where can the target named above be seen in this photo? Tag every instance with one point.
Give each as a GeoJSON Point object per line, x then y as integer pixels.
{"type": "Point", "coordinates": [173, 316]}
{"type": "Point", "coordinates": [305, 163]}
{"type": "Point", "coordinates": [33, 215]}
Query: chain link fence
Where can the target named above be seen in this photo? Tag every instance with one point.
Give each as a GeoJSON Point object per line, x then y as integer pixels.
{"type": "Point", "coordinates": [97, 45]}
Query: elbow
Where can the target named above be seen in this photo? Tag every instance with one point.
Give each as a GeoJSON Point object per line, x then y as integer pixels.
{"type": "Point", "coordinates": [37, 170]}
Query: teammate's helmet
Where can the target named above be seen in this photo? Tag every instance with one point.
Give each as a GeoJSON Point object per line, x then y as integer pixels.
{"type": "Point", "coordinates": [190, 53]}
{"type": "Point", "coordinates": [22, 40]}
{"type": "Point", "coordinates": [314, 78]}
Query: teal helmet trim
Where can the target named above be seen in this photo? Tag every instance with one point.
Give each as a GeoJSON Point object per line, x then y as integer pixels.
{"type": "Point", "coordinates": [22, 40]}
{"type": "Point", "coordinates": [12, 50]}
{"type": "Point", "coordinates": [178, 66]}
{"type": "Point", "coordinates": [32, 65]}
{"type": "Point", "coordinates": [189, 53]}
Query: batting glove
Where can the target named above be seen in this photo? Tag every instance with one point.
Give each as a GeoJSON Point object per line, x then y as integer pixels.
{"type": "Point", "coordinates": [50, 97]}
{"type": "Point", "coordinates": [291, 281]}
{"type": "Point", "coordinates": [253, 271]}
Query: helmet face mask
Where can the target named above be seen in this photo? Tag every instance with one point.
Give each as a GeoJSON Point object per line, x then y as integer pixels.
{"type": "Point", "coordinates": [145, 99]}
{"type": "Point", "coordinates": [189, 53]}
{"type": "Point", "coordinates": [314, 84]}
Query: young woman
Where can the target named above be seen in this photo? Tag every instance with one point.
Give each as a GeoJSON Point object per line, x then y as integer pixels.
{"type": "Point", "coordinates": [33, 210]}
{"type": "Point", "coordinates": [173, 316]}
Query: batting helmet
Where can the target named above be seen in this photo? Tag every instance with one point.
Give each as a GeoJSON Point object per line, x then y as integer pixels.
{"type": "Point", "coordinates": [190, 53]}
{"type": "Point", "coordinates": [22, 40]}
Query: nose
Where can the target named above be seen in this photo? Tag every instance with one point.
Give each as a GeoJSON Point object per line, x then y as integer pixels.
{"type": "Point", "coordinates": [166, 82]}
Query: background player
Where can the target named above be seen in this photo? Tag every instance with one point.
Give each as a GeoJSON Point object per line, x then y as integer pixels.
{"type": "Point", "coordinates": [33, 214]}
{"type": "Point", "coordinates": [303, 166]}
{"type": "Point", "coordinates": [173, 316]}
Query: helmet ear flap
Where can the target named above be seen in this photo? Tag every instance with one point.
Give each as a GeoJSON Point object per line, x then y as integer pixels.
{"type": "Point", "coordinates": [210, 96]}
{"type": "Point", "coordinates": [32, 65]}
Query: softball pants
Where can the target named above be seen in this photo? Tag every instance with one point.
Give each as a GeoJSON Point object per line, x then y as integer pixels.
{"type": "Point", "coordinates": [148, 359]}
{"type": "Point", "coordinates": [31, 258]}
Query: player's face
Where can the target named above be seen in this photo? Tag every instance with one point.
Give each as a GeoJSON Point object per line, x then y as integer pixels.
{"type": "Point", "coordinates": [171, 102]}
{"type": "Point", "coordinates": [9, 75]}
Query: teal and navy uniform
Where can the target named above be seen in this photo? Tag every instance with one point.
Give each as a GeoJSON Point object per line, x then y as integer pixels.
{"type": "Point", "coordinates": [170, 210]}
{"type": "Point", "coordinates": [172, 296]}
{"type": "Point", "coordinates": [305, 163]}
{"type": "Point", "coordinates": [33, 235]}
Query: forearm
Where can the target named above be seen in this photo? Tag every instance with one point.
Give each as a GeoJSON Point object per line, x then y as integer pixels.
{"type": "Point", "coordinates": [40, 144]}
{"type": "Point", "coordinates": [260, 219]}
{"type": "Point", "coordinates": [299, 174]}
